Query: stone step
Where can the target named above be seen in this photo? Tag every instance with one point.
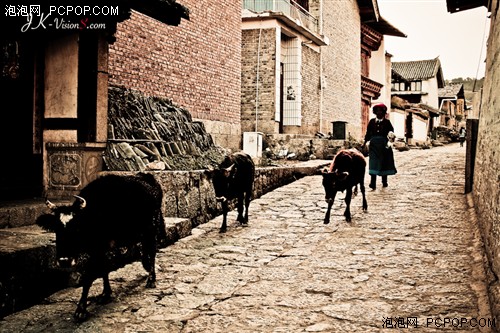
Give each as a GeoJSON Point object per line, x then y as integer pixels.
{"type": "Point", "coordinates": [27, 258]}
{"type": "Point", "coordinates": [14, 214]}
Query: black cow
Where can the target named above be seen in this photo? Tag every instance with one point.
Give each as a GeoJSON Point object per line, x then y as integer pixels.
{"type": "Point", "coordinates": [112, 215]}
{"type": "Point", "coordinates": [234, 178]}
{"type": "Point", "coordinates": [346, 171]}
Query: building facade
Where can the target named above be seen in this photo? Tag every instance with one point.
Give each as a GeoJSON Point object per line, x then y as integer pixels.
{"type": "Point", "coordinates": [196, 64]}
{"type": "Point", "coordinates": [486, 180]}
{"type": "Point", "coordinates": [452, 106]}
{"type": "Point", "coordinates": [60, 77]}
{"type": "Point", "coordinates": [281, 66]}
{"type": "Point", "coordinates": [306, 65]}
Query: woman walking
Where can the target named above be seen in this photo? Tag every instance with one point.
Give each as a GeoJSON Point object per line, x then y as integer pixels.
{"type": "Point", "coordinates": [381, 157]}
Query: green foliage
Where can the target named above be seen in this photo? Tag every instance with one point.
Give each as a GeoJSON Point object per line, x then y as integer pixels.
{"type": "Point", "coordinates": [469, 84]}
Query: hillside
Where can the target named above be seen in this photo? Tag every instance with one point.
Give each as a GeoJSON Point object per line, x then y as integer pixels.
{"type": "Point", "coordinates": [469, 86]}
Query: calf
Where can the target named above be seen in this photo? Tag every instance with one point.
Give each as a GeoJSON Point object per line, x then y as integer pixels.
{"type": "Point", "coordinates": [346, 171]}
{"type": "Point", "coordinates": [234, 178]}
{"type": "Point", "coordinates": [112, 215]}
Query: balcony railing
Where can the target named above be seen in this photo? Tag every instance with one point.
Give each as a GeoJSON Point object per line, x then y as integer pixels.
{"type": "Point", "coordinates": [288, 7]}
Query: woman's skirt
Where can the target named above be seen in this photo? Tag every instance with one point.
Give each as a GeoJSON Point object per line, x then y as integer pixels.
{"type": "Point", "coordinates": [381, 157]}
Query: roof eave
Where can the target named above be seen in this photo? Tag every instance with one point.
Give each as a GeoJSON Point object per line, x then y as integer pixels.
{"type": "Point", "coordinates": [165, 11]}
{"type": "Point", "coordinates": [455, 6]}
{"type": "Point", "coordinates": [386, 28]}
{"type": "Point", "coordinates": [368, 10]}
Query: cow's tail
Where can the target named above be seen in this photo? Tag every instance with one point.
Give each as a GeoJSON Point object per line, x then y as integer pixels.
{"type": "Point", "coordinates": [161, 233]}
{"type": "Point", "coordinates": [157, 192]}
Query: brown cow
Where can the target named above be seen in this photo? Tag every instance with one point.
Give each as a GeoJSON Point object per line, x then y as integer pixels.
{"type": "Point", "coordinates": [346, 171]}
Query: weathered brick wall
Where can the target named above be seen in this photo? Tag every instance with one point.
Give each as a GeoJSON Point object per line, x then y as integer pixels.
{"type": "Point", "coordinates": [486, 188]}
{"type": "Point", "coordinates": [267, 69]}
{"type": "Point", "coordinates": [196, 64]}
{"type": "Point", "coordinates": [342, 66]}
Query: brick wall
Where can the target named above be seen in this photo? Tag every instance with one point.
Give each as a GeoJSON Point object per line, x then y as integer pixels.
{"type": "Point", "coordinates": [196, 64]}
{"type": "Point", "coordinates": [486, 187]}
{"type": "Point", "coordinates": [267, 80]}
{"type": "Point", "coordinates": [342, 66]}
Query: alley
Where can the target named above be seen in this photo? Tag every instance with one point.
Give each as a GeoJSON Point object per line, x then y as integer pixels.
{"type": "Point", "coordinates": [413, 260]}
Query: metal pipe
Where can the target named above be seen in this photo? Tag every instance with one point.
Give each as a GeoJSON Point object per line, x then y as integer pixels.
{"type": "Point", "coordinates": [257, 83]}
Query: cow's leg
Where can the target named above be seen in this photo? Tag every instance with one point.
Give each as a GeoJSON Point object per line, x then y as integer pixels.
{"type": "Point", "coordinates": [106, 291]}
{"type": "Point", "coordinates": [348, 196]}
{"type": "Point", "coordinates": [328, 209]}
{"type": "Point", "coordinates": [225, 209]}
{"type": "Point", "coordinates": [362, 188]}
{"type": "Point", "coordinates": [151, 281]}
{"type": "Point", "coordinates": [148, 259]}
{"type": "Point", "coordinates": [247, 204]}
{"type": "Point", "coordinates": [81, 312]}
{"type": "Point", "coordinates": [240, 207]}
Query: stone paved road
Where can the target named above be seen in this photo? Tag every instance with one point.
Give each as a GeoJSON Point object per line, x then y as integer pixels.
{"type": "Point", "coordinates": [415, 254]}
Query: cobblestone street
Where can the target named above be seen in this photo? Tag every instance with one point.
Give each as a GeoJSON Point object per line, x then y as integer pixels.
{"type": "Point", "coordinates": [413, 259]}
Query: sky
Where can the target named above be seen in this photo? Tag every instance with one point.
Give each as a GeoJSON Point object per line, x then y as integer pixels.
{"type": "Point", "coordinates": [459, 39]}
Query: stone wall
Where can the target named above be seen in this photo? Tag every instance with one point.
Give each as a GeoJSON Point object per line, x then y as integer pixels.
{"type": "Point", "coordinates": [189, 194]}
{"type": "Point", "coordinates": [147, 133]}
{"type": "Point", "coordinates": [302, 147]}
{"type": "Point", "coordinates": [486, 187]}
{"type": "Point", "coordinates": [196, 64]}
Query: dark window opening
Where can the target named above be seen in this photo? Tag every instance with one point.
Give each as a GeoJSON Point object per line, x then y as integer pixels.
{"type": "Point", "coordinates": [303, 3]}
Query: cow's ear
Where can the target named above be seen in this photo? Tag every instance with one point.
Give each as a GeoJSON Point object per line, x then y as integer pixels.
{"type": "Point", "coordinates": [48, 222]}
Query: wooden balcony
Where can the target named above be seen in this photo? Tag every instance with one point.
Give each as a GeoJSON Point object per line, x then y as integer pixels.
{"type": "Point", "coordinates": [288, 8]}
{"type": "Point", "coordinates": [369, 88]}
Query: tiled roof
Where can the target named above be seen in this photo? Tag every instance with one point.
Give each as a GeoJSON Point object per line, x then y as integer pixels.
{"type": "Point", "coordinates": [451, 90]}
{"type": "Point", "coordinates": [417, 70]}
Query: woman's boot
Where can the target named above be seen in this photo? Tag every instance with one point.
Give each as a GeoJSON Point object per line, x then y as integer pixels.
{"type": "Point", "coordinates": [373, 182]}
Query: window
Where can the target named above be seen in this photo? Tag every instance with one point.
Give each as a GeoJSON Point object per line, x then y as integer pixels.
{"type": "Point", "coordinates": [303, 3]}
{"type": "Point", "coordinates": [292, 82]}
{"type": "Point", "coordinates": [418, 86]}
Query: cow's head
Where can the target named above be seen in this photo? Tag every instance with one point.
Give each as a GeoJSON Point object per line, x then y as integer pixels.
{"type": "Point", "coordinates": [333, 181]}
{"type": "Point", "coordinates": [221, 180]}
{"type": "Point", "coordinates": [64, 222]}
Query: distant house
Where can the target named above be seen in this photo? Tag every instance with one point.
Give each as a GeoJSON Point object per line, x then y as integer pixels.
{"type": "Point", "coordinates": [411, 121]}
{"type": "Point", "coordinates": [452, 106]}
{"type": "Point", "coordinates": [417, 82]}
